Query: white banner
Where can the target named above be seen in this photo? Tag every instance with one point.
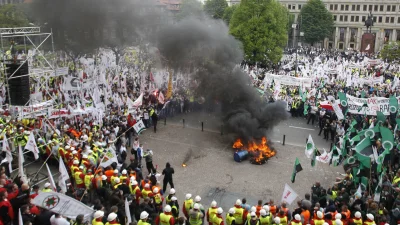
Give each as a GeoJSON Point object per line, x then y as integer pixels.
{"type": "Point", "coordinates": [289, 195]}
{"type": "Point", "coordinates": [56, 113]}
{"type": "Point", "coordinates": [63, 176]}
{"type": "Point", "coordinates": [336, 107]}
{"type": "Point", "coordinates": [31, 146]}
{"type": "Point", "coordinates": [139, 126]}
{"type": "Point", "coordinates": [289, 80]}
{"type": "Point", "coordinates": [374, 104]}
{"type": "Point", "coordinates": [33, 111]}
{"type": "Point", "coordinates": [109, 158]}
{"type": "Point", "coordinates": [76, 84]}
{"type": "Point", "coordinates": [63, 205]}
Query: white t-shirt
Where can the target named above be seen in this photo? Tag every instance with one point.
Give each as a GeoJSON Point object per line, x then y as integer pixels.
{"type": "Point", "coordinates": [58, 221]}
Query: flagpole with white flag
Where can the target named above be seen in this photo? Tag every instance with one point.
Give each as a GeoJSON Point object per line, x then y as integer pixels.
{"type": "Point", "coordinates": [63, 176]}
{"type": "Point", "coordinates": [20, 220]}
{"type": "Point", "coordinates": [51, 180]}
{"type": "Point", "coordinates": [310, 147]}
{"type": "Point", "coordinates": [9, 157]}
{"type": "Point", "coordinates": [288, 195]}
{"type": "Point", "coordinates": [21, 165]}
{"type": "Point", "coordinates": [31, 146]}
{"type": "Point", "coordinates": [128, 211]}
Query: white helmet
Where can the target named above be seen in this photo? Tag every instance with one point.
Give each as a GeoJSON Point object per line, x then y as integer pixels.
{"type": "Point", "coordinates": [124, 172]}
{"type": "Point", "coordinates": [266, 208]}
{"type": "Point", "coordinates": [76, 162]}
{"type": "Point", "coordinates": [263, 212]}
{"type": "Point", "coordinates": [220, 210]}
{"type": "Point", "coordinates": [297, 217]}
{"type": "Point", "coordinates": [197, 199]}
{"type": "Point", "coordinates": [188, 196]}
{"type": "Point", "coordinates": [172, 191]}
{"type": "Point", "coordinates": [167, 208]}
{"type": "Point", "coordinates": [103, 177]}
{"type": "Point", "coordinates": [196, 206]}
{"type": "Point", "coordinates": [155, 191]}
{"type": "Point", "coordinates": [238, 202]}
{"type": "Point", "coordinates": [98, 214]}
{"type": "Point", "coordinates": [357, 215]}
{"type": "Point", "coordinates": [253, 209]}
{"type": "Point", "coordinates": [85, 157]}
{"type": "Point", "coordinates": [338, 216]}
{"type": "Point", "coordinates": [111, 217]}
{"type": "Point", "coordinates": [147, 185]}
{"type": "Point", "coordinates": [231, 211]}
{"type": "Point", "coordinates": [144, 215]}
{"type": "Point", "coordinates": [174, 198]}
{"type": "Point", "coordinates": [370, 216]}
{"type": "Point", "coordinates": [277, 220]}
{"type": "Point", "coordinates": [115, 171]}
{"type": "Point", "coordinates": [213, 204]}
{"type": "Point", "coordinates": [117, 180]}
{"type": "Point", "coordinates": [133, 181]}
{"type": "Point", "coordinates": [253, 214]}
{"type": "Point", "coordinates": [338, 222]}
{"type": "Point", "coordinates": [319, 214]}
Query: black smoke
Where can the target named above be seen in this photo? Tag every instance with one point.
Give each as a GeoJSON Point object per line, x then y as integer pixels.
{"type": "Point", "coordinates": [202, 46]}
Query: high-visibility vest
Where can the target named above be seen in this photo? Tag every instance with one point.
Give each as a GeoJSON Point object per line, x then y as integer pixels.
{"type": "Point", "coordinates": [188, 204]}
{"type": "Point", "coordinates": [157, 198]}
{"type": "Point", "coordinates": [294, 223]}
{"type": "Point", "coordinates": [177, 210]}
{"type": "Point", "coordinates": [357, 221]}
{"type": "Point", "coordinates": [266, 220]}
{"type": "Point", "coordinates": [369, 222]}
{"type": "Point", "coordinates": [164, 219]}
{"type": "Point", "coordinates": [272, 209]}
{"type": "Point", "coordinates": [195, 219]}
{"type": "Point", "coordinates": [216, 220]}
{"type": "Point", "coordinates": [285, 210]}
{"type": "Point", "coordinates": [249, 222]}
{"type": "Point", "coordinates": [141, 222]}
{"type": "Point", "coordinates": [238, 215]}
{"type": "Point", "coordinates": [133, 190]}
{"type": "Point", "coordinates": [46, 190]}
{"type": "Point", "coordinates": [73, 168]}
{"type": "Point", "coordinates": [211, 213]}
{"type": "Point", "coordinates": [145, 193]}
{"type": "Point", "coordinates": [396, 180]}
{"type": "Point", "coordinates": [117, 185]}
{"type": "Point", "coordinates": [168, 199]}
{"type": "Point", "coordinates": [78, 180]}
{"type": "Point", "coordinates": [94, 222]}
{"type": "Point", "coordinates": [283, 220]}
{"type": "Point", "coordinates": [108, 223]}
{"type": "Point", "coordinates": [229, 219]}
{"type": "Point", "coordinates": [319, 221]}
{"type": "Point", "coordinates": [112, 180]}
{"type": "Point", "coordinates": [123, 178]}
{"type": "Point", "coordinates": [88, 180]}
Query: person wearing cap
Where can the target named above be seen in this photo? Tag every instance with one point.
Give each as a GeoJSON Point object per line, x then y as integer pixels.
{"type": "Point", "coordinates": [143, 218]}
{"type": "Point", "coordinates": [296, 220]}
{"type": "Point", "coordinates": [265, 216]}
{"type": "Point", "coordinates": [195, 215]}
{"type": "Point", "coordinates": [79, 178]}
{"type": "Point", "coordinates": [277, 221]}
{"type": "Point", "coordinates": [253, 220]}
{"type": "Point", "coordinates": [175, 207]}
{"type": "Point", "coordinates": [240, 215]}
{"type": "Point", "coordinates": [187, 205]}
{"type": "Point", "coordinates": [112, 219]}
{"type": "Point", "coordinates": [252, 209]}
{"type": "Point", "coordinates": [74, 167]}
{"type": "Point", "coordinates": [47, 187]}
{"type": "Point", "coordinates": [123, 178]}
{"type": "Point", "coordinates": [170, 195]}
{"type": "Point", "coordinates": [98, 218]}
{"type": "Point", "coordinates": [211, 212]}
{"type": "Point", "coordinates": [319, 219]}
{"type": "Point", "coordinates": [117, 183]}
{"type": "Point", "coordinates": [146, 191]}
{"type": "Point", "coordinates": [115, 175]}
{"type": "Point", "coordinates": [85, 162]}
{"type": "Point", "coordinates": [165, 218]}
{"type": "Point", "coordinates": [357, 220]}
{"type": "Point", "coordinates": [135, 190]}
{"type": "Point", "coordinates": [109, 173]}
{"type": "Point", "coordinates": [369, 220]}
{"type": "Point", "coordinates": [158, 199]}
{"type": "Point", "coordinates": [217, 219]}
{"type": "Point", "coordinates": [230, 218]}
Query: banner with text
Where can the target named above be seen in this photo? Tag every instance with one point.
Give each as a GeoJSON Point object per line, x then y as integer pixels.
{"type": "Point", "coordinates": [289, 80]}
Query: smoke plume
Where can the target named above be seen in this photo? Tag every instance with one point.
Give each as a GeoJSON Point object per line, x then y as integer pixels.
{"type": "Point", "coordinates": [200, 45]}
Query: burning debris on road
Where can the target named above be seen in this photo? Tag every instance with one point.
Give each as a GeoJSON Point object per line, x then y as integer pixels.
{"type": "Point", "coordinates": [258, 150]}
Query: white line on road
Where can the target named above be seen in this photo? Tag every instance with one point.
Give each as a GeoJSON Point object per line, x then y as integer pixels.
{"type": "Point", "coordinates": [303, 128]}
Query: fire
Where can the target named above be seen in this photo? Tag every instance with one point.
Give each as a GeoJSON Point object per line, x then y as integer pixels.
{"type": "Point", "coordinates": [184, 165]}
{"type": "Point", "coordinates": [259, 150]}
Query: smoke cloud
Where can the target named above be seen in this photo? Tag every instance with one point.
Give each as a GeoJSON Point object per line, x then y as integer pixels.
{"type": "Point", "coordinates": [203, 45]}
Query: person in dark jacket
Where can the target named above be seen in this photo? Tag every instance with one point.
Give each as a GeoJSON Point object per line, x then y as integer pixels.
{"type": "Point", "coordinates": [167, 172]}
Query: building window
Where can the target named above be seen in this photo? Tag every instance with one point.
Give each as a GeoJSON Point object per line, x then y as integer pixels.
{"type": "Point", "coordinates": [334, 18]}
{"type": "Point", "coordinates": [363, 19]}
{"type": "Point", "coordinates": [342, 7]}
{"type": "Point", "coordinates": [388, 33]}
{"type": "Point", "coordinates": [365, 7]}
{"type": "Point", "coordinates": [347, 7]}
{"type": "Point", "coordinates": [376, 8]}
{"type": "Point", "coordinates": [398, 19]}
{"type": "Point", "coordinates": [353, 33]}
{"type": "Point", "coordinates": [375, 19]}
{"type": "Point", "coordinates": [388, 8]}
{"type": "Point", "coordinates": [341, 18]}
{"type": "Point", "coordinates": [387, 19]}
{"type": "Point", "coordinates": [381, 8]}
{"type": "Point", "coordinates": [299, 7]}
{"type": "Point", "coordinates": [352, 19]}
{"type": "Point", "coordinates": [392, 19]}
{"type": "Point", "coordinates": [380, 19]}
{"type": "Point", "coordinates": [370, 8]}
{"type": "Point", "coordinates": [393, 8]}
{"type": "Point", "coordinates": [357, 18]}
{"type": "Point", "coordinates": [331, 7]}
{"type": "Point", "coordinates": [293, 7]}
{"type": "Point", "coordinates": [345, 19]}
{"type": "Point", "coordinates": [353, 8]}
{"type": "Point", "coordinates": [289, 7]}
{"type": "Point", "coordinates": [398, 35]}
{"type": "Point", "coordinates": [358, 7]}
{"type": "Point", "coordinates": [341, 45]}
{"type": "Point", "coordinates": [336, 7]}
{"type": "Point", "coordinates": [341, 33]}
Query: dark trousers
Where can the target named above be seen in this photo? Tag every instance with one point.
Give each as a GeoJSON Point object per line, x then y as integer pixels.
{"type": "Point", "coordinates": [165, 182]}
{"type": "Point", "coordinates": [150, 167]}
{"type": "Point", "coordinates": [311, 117]}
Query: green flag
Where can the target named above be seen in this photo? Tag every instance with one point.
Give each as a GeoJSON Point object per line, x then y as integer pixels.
{"type": "Point", "coordinates": [361, 107]}
{"type": "Point", "coordinates": [387, 138]}
{"type": "Point", "coordinates": [398, 122]}
{"type": "Point", "coordinates": [344, 150]}
{"type": "Point", "coordinates": [364, 160]}
{"type": "Point", "coordinates": [305, 112]}
{"type": "Point", "coordinates": [362, 94]}
{"type": "Point", "coordinates": [314, 158]}
{"type": "Point", "coordinates": [366, 142]}
{"type": "Point", "coordinates": [297, 168]}
{"type": "Point", "coordinates": [364, 182]}
{"type": "Point", "coordinates": [380, 160]}
{"type": "Point", "coordinates": [355, 139]}
{"type": "Point", "coordinates": [393, 104]}
{"type": "Point", "coordinates": [380, 117]}
{"type": "Point", "coordinates": [378, 189]}
{"type": "Point", "coordinates": [335, 156]}
{"type": "Point", "coordinates": [343, 99]}
{"type": "Point", "coordinates": [310, 147]}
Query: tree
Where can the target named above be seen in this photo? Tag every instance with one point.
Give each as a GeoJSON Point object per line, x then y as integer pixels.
{"type": "Point", "coordinates": [228, 13]}
{"type": "Point", "coordinates": [215, 8]}
{"type": "Point", "coordinates": [391, 51]}
{"type": "Point", "coordinates": [261, 27]}
{"type": "Point", "coordinates": [12, 16]}
{"type": "Point", "coordinates": [316, 21]}
{"type": "Point", "coordinates": [190, 8]}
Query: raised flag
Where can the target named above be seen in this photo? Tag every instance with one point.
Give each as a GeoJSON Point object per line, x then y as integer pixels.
{"type": "Point", "coordinates": [51, 180]}
{"type": "Point", "coordinates": [309, 146]}
{"type": "Point", "coordinates": [335, 155]}
{"type": "Point", "coordinates": [9, 157]}
{"type": "Point", "coordinates": [314, 158]}
{"type": "Point", "coordinates": [139, 126]}
{"type": "Point", "coordinates": [343, 99]}
{"type": "Point", "coordinates": [63, 205]}
{"type": "Point", "coordinates": [324, 157]}
{"type": "Point", "coordinates": [380, 117]}
{"type": "Point", "coordinates": [21, 165]}
{"type": "Point", "coordinates": [297, 168]}
{"type": "Point", "coordinates": [288, 195]}
{"type": "Point", "coordinates": [387, 138]}
{"type": "Point", "coordinates": [20, 220]}
{"type": "Point", "coordinates": [108, 158]}
{"type": "Point", "coordinates": [31, 146]}
{"type": "Point", "coordinates": [128, 211]}
{"type": "Point", "coordinates": [63, 176]}
{"type": "Point", "coordinates": [138, 102]}
{"type": "Point", "coordinates": [393, 104]}
{"type": "Point", "coordinates": [378, 189]}
{"type": "Point", "coordinates": [161, 98]}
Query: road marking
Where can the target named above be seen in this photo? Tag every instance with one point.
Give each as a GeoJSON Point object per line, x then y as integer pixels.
{"type": "Point", "coordinates": [303, 128]}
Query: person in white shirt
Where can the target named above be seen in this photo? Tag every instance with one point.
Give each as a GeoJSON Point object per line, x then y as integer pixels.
{"type": "Point", "coordinates": [57, 219]}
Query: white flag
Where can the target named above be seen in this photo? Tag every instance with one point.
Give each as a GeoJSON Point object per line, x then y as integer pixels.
{"type": "Point", "coordinates": [9, 157]}
{"type": "Point", "coordinates": [128, 211]}
{"type": "Point", "coordinates": [310, 147]}
{"type": "Point", "coordinates": [139, 126]}
{"type": "Point", "coordinates": [63, 205]}
{"type": "Point", "coordinates": [31, 146]}
{"type": "Point", "coordinates": [139, 101]}
{"type": "Point", "coordinates": [375, 153]}
{"type": "Point", "coordinates": [108, 158]}
{"type": "Point", "coordinates": [63, 176]}
{"type": "Point", "coordinates": [51, 180]}
{"type": "Point", "coordinates": [21, 165]}
{"type": "Point", "coordinates": [161, 98]}
{"type": "Point", "coordinates": [359, 190]}
{"type": "Point", "coordinates": [20, 220]}
{"type": "Point", "coordinates": [289, 195]}
{"type": "Point", "coordinates": [324, 157]}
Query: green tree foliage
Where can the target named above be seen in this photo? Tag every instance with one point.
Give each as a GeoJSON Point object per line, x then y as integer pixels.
{"type": "Point", "coordinates": [391, 51]}
{"type": "Point", "coordinates": [215, 8]}
{"type": "Point", "coordinates": [228, 13]}
{"type": "Point", "coordinates": [11, 15]}
{"type": "Point", "coordinates": [316, 21]}
{"type": "Point", "coordinates": [261, 27]}
{"type": "Point", "coordinates": [190, 8]}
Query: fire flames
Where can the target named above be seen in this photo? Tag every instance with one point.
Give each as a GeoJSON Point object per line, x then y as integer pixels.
{"type": "Point", "coordinates": [259, 150]}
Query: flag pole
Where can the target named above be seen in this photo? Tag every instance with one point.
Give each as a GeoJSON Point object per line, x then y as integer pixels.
{"type": "Point", "coordinates": [48, 157]}
{"type": "Point", "coordinates": [370, 175]}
